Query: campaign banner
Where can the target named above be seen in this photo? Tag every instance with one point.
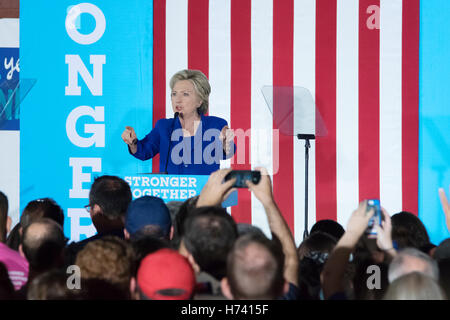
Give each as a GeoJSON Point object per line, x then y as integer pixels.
{"type": "Point", "coordinates": [166, 187]}
{"type": "Point", "coordinates": [9, 79]}
{"type": "Point", "coordinates": [172, 187]}
{"type": "Point", "coordinates": [92, 62]}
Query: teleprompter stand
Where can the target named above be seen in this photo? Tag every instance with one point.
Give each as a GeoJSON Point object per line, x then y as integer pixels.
{"type": "Point", "coordinates": [295, 114]}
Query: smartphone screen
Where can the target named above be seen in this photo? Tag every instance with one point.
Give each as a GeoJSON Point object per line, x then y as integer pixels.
{"type": "Point", "coordinates": [376, 218]}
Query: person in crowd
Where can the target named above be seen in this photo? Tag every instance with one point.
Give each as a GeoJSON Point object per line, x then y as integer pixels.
{"type": "Point", "coordinates": [144, 245]}
{"type": "Point", "coordinates": [36, 209]}
{"type": "Point", "coordinates": [7, 289]}
{"type": "Point", "coordinates": [331, 227]}
{"type": "Point", "coordinates": [370, 278]}
{"type": "Point", "coordinates": [150, 213]}
{"type": "Point", "coordinates": [109, 198]}
{"type": "Point", "coordinates": [165, 275]}
{"type": "Point", "coordinates": [215, 191]}
{"type": "Point", "coordinates": [317, 242]}
{"type": "Point", "coordinates": [337, 263]}
{"type": "Point", "coordinates": [410, 260]}
{"type": "Point", "coordinates": [43, 244]}
{"type": "Point", "coordinates": [279, 228]}
{"type": "Point", "coordinates": [174, 208]}
{"type": "Point", "coordinates": [190, 91]}
{"type": "Point", "coordinates": [110, 259]}
{"type": "Point", "coordinates": [52, 285]}
{"type": "Point", "coordinates": [409, 232]}
{"type": "Point", "coordinates": [209, 234]}
{"type": "Point", "coordinates": [179, 219]}
{"type": "Point", "coordinates": [245, 228]}
{"type": "Point", "coordinates": [444, 275]}
{"type": "Point", "coordinates": [414, 286]}
{"type": "Point", "coordinates": [255, 269]}
{"type": "Point", "coordinates": [442, 251]}
{"type": "Point", "coordinates": [16, 264]}
{"type": "Point", "coordinates": [313, 252]}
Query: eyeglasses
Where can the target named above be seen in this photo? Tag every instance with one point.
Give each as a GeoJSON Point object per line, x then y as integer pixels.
{"type": "Point", "coordinates": [88, 208]}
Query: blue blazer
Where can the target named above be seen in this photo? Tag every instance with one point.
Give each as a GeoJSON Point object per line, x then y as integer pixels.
{"type": "Point", "coordinates": [200, 154]}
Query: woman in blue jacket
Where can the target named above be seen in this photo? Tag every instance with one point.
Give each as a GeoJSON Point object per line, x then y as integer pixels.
{"type": "Point", "coordinates": [190, 142]}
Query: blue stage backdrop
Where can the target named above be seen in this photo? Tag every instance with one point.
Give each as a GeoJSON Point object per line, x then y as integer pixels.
{"type": "Point", "coordinates": [93, 66]}
{"type": "Point", "coordinates": [434, 108]}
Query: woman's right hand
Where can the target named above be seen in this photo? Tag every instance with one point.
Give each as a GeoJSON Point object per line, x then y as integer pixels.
{"type": "Point", "coordinates": [129, 136]}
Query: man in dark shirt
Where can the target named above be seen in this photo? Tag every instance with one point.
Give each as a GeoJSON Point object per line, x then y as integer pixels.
{"type": "Point", "coordinates": [109, 198]}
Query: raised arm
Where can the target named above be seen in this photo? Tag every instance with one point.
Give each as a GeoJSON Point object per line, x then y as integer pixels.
{"type": "Point", "coordinates": [445, 206]}
{"type": "Point", "coordinates": [384, 236]}
{"type": "Point", "coordinates": [334, 269]}
{"type": "Point", "coordinates": [277, 224]}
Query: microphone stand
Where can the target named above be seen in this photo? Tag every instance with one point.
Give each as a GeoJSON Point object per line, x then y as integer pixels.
{"type": "Point", "coordinates": [170, 141]}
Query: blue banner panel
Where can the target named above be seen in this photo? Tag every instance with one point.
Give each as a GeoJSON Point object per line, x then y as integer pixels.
{"type": "Point", "coordinates": [92, 62]}
{"type": "Point", "coordinates": [9, 79]}
{"type": "Point", "coordinates": [434, 121]}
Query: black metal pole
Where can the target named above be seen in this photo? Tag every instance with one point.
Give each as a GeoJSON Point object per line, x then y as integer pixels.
{"type": "Point", "coordinates": [307, 146]}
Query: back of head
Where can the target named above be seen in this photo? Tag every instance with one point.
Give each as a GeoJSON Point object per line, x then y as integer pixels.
{"type": "Point", "coordinates": [244, 228]}
{"type": "Point", "coordinates": [255, 268]}
{"type": "Point", "coordinates": [331, 227]}
{"type": "Point", "coordinates": [313, 252]}
{"type": "Point", "coordinates": [442, 251]}
{"type": "Point", "coordinates": [178, 223]}
{"type": "Point", "coordinates": [43, 242]}
{"type": "Point", "coordinates": [52, 285]}
{"type": "Point", "coordinates": [144, 245]}
{"type": "Point", "coordinates": [408, 231]}
{"type": "Point", "coordinates": [110, 259]}
{"type": "Point", "coordinates": [209, 235]}
{"type": "Point", "coordinates": [174, 208]}
{"type": "Point", "coordinates": [414, 286]}
{"type": "Point", "coordinates": [410, 260]}
{"type": "Point", "coordinates": [112, 194]}
{"type": "Point", "coordinates": [317, 243]}
{"type": "Point", "coordinates": [148, 211]}
{"type": "Point", "coordinates": [165, 275]}
{"type": "Point", "coordinates": [42, 208]}
{"type": "Point", "coordinates": [3, 216]}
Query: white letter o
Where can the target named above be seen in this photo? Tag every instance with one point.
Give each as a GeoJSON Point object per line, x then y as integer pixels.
{"type": "Point", "coordinates": [100, 23]}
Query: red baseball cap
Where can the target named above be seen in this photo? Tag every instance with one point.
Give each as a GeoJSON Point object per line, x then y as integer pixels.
{"type": "Point", "coordinates": [166, 275]}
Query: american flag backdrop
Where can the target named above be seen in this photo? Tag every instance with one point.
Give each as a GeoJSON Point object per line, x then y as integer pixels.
{"type": "Point", "coordinates": [358, 58]}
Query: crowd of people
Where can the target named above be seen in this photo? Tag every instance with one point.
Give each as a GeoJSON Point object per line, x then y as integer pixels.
{"type": "Point", "coordinates": [147, 249]}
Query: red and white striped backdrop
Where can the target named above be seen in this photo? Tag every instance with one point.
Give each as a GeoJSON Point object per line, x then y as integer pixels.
{"type": "Point", "coordinates": [359, 59]}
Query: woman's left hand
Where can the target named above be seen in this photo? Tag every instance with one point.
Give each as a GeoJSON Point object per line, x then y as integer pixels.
{"type": "Point", "coordinates": [227, 137]}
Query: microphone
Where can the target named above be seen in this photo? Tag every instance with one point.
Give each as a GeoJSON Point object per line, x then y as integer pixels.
{"type": "Point", "coordinates": [170, 140]}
